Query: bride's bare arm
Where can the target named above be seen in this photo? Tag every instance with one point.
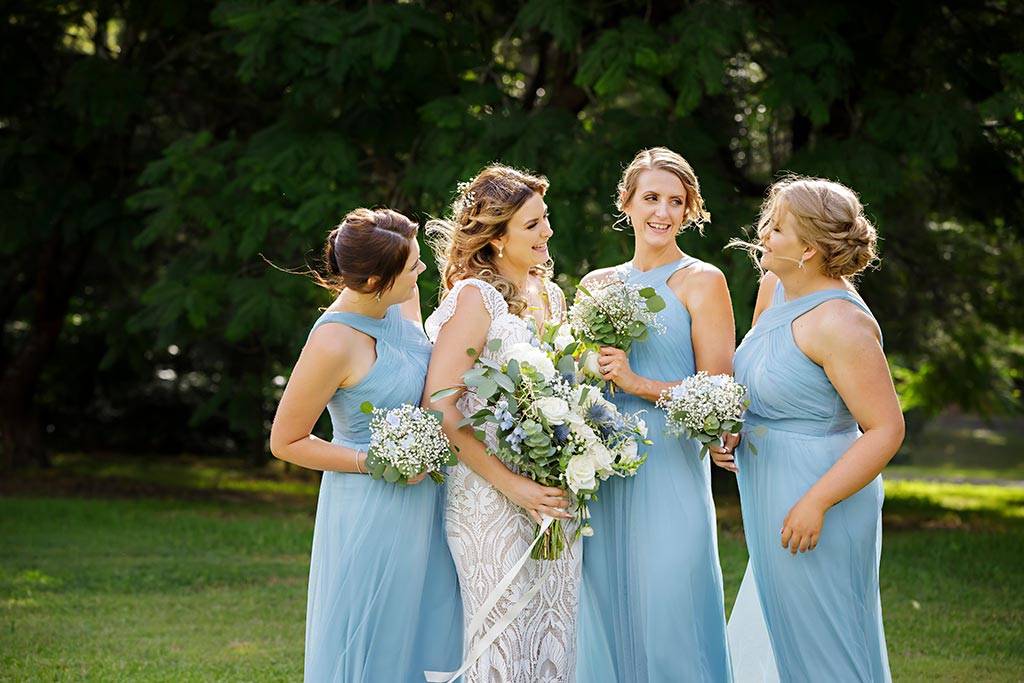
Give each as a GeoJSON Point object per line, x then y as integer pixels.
{"type": "Point", "coordinates": [467, 329]}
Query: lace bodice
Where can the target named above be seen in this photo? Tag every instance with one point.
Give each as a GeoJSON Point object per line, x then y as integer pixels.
{"type": "Point", "coordinates": [509, 328]}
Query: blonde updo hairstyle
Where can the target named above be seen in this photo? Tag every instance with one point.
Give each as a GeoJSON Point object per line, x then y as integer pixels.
{"type": "Point", "coordinates": [480, 214]}
{"type": "Point", "coordinates": [829, 217]}
{"type": "Point", "coordinates": [663, 159]}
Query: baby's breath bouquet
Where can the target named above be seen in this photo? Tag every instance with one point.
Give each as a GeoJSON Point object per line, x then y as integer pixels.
{"type": "Point", "coordinates": [705, 407]}
{"type": "Point", "coordinates": [552, 427]}
{"type": "Point", "coordinates": [405, 442]}
{"type": "Point", "coordinates": [613, 313]}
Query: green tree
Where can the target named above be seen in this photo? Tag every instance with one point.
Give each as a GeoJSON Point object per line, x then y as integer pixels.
{"type": "Point", "coordinates": [256, 126]}
{"type": "Point", "coordinates": [92, 92]}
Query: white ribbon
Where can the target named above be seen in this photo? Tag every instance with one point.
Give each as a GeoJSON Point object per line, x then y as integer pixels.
{"type": "Point", "coordinates": [488, 605]}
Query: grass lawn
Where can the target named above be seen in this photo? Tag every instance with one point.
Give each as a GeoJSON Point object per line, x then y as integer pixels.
{"type": "Point", "coordinates": [963, 447]}
{"type": "Point", "coordinates": [207, 581]}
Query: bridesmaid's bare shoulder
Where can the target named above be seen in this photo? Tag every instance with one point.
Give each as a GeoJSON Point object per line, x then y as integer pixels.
{"type": "Point", "coordinates": [765, 294]}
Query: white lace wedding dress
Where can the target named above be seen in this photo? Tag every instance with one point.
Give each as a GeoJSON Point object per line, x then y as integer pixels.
{"type": "Point", "coordinates": [487, 534]}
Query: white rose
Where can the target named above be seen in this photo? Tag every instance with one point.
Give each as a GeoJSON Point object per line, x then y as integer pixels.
{"type": "Point", "coordinates": [602, 458]}
{"type": "Point", "coordinates": [554, 409]}
{"type": "Point", "coordinates": [630, 451]}
{"type": "Point", "coordinates": [580, 473]}
{"type": "Point", "coordinates": [590, 365]}
{"type": "Point", "coordinates": [584, 432]}
{"type": "Point", "coordinates": [524, 352]}
{"type": "Point", "coordinates": [562, 339]}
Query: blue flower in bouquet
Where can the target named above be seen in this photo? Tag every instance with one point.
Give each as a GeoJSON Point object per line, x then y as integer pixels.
{"type": "Point", "coordinates": [515, 438]}
{"type": "Point", "coordinates": [501, 413]}
{"type": "Point", "coordinates": [599, 414]}
{"type": "Point", "coordinates": [560, 434]}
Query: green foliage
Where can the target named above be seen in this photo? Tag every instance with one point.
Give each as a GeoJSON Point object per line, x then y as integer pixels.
{"type": "Point", "coordinates": [150, 153]}
{"type": "Point", "coordinates": [615, 314]}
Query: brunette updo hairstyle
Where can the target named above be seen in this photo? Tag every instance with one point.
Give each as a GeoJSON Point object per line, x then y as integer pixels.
{"type": "Point", "coordinates": [828, 217]}
{"type": "Point", "coordinates": [663, 159]}
{"type": "Point", "coordinates": [368, 243]}
{"type": "Point", "coordinates": [479, 214]}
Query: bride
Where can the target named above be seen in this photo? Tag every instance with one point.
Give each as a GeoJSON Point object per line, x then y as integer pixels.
{"type": "Point", "coordinates": [495, 267]}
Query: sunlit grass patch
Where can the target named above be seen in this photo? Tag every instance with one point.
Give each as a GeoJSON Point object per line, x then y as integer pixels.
{"type": "Point", "coordinates": [940, 499]}
{"type": "Point", "coordinates": [125, 474]}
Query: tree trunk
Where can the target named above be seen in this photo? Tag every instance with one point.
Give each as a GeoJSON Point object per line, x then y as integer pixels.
{"type": "Point", "coordinates": [56, 275]}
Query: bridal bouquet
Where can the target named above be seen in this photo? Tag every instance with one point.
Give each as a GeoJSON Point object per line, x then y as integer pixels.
{"type": "Point", "coordinates": [551, 427]}
{"type": "Point", "coordinates": [405, 442]}
{"type": "Point", "coordinates": [616, 314]}
{"type": "Point", "coordinates": [705, 407]}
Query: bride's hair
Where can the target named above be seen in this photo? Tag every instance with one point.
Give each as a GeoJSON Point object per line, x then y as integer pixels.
{"type": "Point", "coordinates": [828, 216]}
{"type": "Point", "coordinates": [479, 214]}
{"type": "Point", "coordinates": [663, 159]}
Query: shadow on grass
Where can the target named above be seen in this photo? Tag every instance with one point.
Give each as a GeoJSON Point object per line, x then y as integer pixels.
{"type": "Point", "coordinates": [201, 565]}
{"type": "Point", "coordinates": [221, 480]}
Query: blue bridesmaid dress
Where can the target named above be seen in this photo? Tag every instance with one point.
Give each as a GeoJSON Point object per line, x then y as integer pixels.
{"type": "Point", "coordinates": [384, 600]}
{"type": "Point", "coordinates": [651, 602]}
{"type": "Point", "coordinates": [822, 608]}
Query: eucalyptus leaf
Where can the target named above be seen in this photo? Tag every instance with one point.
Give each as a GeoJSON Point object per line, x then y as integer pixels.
{"type": "Point", "coordinates": [474, 372]}
{"type": "Point", "coordinates": [489, 364]}
{"type": "Point", "coordinates": [441, 394]}
{"type": "Point", "coordinates": [512, 370]}
{"type": "Point", "coordinates": [503, 381]}
{"type": "Point", "coordinates": [487, 388]}
{"type": "Point", "coordinates": [655, 304]}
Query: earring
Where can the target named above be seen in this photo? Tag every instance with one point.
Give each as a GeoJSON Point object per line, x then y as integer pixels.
{"type": "Point", "coordinates": [378, 296]}
{"type": "Point", "coordinates": [801, 264]}
{"type": "Point", "coordinates": [501, 251]}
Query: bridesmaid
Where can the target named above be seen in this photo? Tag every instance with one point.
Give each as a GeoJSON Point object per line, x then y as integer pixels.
{"type": "Point", "coordinates": [383, 596]}
{"type": "Point", "coordinates": [812, 496]}
{"type": "Point", "coordinates": [651, 606]}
